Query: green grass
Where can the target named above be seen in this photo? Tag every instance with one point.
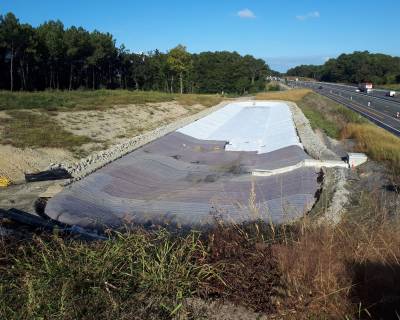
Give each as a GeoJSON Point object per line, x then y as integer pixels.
{"type": "Point", "coordinates": [340, 122]}
{"type": "Point", "coordinates": [154, 275]}
{"type": "Point", "coordinates": [349, 116]}
{"type": "Point", "coordinates": [327, 115]}
{"type": "Point", "coordinates": [395, 86]}
{"type": "Point", "coordinates": [134, 276]}
{"type": "Point", "coordinates": [30, 123]}
{"type": "Point", "coordinates": [322, 112]}
{"type": "Point", "coordinates": [93, 100]}
{"type": "Point", "coordinates": [33, 129]}
{"type": "Point", "coordinates": [319, 121]}
{"type": "Point", "coordinates": [273, 86]}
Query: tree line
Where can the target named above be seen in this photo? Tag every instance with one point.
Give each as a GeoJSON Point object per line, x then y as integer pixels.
{"type": "Point", "coordinates": [359, 66]}
{"type": "Point", "coordinates": [51, 56]}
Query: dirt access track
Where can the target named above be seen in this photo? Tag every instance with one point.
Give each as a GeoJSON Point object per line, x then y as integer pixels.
{"type": "Point", "coordinates": [200, 173]}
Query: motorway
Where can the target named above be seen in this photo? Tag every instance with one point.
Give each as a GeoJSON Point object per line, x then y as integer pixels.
{"type": "Point", "coordinates": [375, 106]}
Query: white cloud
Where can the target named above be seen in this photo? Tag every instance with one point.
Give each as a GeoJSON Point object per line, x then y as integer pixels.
{"type": "Point", "coordinates": [246, 14]}
{"type": "Point", "coordinates": [310, 15]}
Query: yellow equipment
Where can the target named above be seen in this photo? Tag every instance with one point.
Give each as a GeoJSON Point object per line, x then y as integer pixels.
{"type": "Point", "coordinates": [4, 182]}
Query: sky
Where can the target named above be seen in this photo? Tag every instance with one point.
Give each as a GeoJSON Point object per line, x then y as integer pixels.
{"type": "Point", "coordinates": [285, 33]}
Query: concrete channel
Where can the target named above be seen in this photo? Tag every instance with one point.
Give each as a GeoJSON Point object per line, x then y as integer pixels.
{"type": "Point", "coordinates": [216, 168]}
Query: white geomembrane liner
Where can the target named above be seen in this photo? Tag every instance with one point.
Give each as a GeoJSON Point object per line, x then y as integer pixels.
{"type": "Point", "coordinates": [261, 126]}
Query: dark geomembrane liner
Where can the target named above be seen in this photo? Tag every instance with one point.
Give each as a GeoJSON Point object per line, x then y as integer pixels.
{"type": "Point", "coordinates": [182, 181]}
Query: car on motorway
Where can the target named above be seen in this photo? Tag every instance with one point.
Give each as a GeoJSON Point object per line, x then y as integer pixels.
{"type": "Point", "coordinates": [320, 87]}
{"type": "Point", "coordinates": [358, 90]}
{"type": "Point", "coordinates": [391, 93]}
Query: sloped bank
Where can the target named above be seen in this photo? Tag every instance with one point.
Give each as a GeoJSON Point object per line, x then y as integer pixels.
{"type": "Point", "coordinates": [335, 179]}
{"type": "Point", "coordinates": [99, 159]}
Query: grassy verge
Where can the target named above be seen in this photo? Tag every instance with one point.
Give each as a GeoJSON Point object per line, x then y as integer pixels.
{"type": "Point", "coordinates": [28, 121]}
{"type": "Point", "coordinates": [136, 275]}
{"type": "Point", "coordinates": [207, 100]}
{"type": "Point", "coordinates": [300, 271]}
{"type": "Point", "coordinates": [395, 87]}
{"type": "Point", "coordinates": [340, 122]}
{"type": "Point", "coordinates": [322, 112]}
{"type": "Point", "coordinates": [379, 144]}
{"type": "Point", "coordinates": [93, 100]}
{"type": "Point", "coordinates": [32, 129]}
{"type": "Point", "coordinates": [272, 86]}
{"type": "Point", "coordinates": [288, 95]}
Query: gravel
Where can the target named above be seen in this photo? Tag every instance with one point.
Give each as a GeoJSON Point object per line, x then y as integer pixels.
{"type": "Point", "coordinates": [99, 159]}
{"type": "Point", "coordinates": [317, 149]}
{"type": "Point", "coordinates": [310, 140]}
{"type": "Point", "coordinates": [340, 196]}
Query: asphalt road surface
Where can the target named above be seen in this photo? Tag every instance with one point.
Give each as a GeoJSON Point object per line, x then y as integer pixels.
{"type": "Point", "coordinates": [375, 106]}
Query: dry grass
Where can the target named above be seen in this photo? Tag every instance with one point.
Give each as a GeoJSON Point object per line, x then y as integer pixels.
{"type": "Point", "coordinates": [78, 100]}
{"type": "Point", "coordinates": [25, 129]}
{"type": "Point", "coordinates": [288, 95]}
{"type": "Point", "coordinates": [95, 100]}
{"type": "Point", "coordinates": [302, 271]}
{"type": "Point", "coordinates": [207, 100]}
{"type": "Point", "coordinates": [349, 271]}
{"type": "Point", "coordinates": [379, 144]}
{"type": "Point", "coordinates": [323, 113]}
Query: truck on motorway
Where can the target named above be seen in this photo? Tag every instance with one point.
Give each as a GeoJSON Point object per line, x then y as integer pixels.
{"type": "Point", "coordinates": [365, 87]}
{"type": "Point", "coordinates": [391, 93]}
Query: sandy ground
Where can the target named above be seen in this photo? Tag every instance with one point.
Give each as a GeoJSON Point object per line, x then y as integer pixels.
{"type": "Point", "coordinates": [106, 127]}
{"type": "Point", "coordinates": [14, 162]}
{"type": "Point", "coordinates": [119, 122]}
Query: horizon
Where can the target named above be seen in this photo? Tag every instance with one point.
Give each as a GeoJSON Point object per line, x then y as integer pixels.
{"type": "Point", "coordinates": [262, 29]}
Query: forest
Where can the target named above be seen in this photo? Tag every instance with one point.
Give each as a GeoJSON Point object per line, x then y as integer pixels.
{"type": "Point", "coordinates": [53, 57]}
{"type": "Point", "coordinates": [356, 67]}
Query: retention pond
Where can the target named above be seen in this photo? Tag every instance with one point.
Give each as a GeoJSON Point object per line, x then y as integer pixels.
{"type": "Point", "coordinates": [199, 174]}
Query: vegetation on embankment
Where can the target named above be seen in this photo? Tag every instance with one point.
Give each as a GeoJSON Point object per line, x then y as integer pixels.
{"type": "Point", "coordinates": [32, 119]}
{"type": "Point", "coordinates": [395, 87]}
{"type": "Point", "coordinates": [379, 144]}
{"type": "Point", "coordinates": [130, 276]}
{"type": "Point", "coordinates": [272, 86]}
{"type": "Point", "coordinates": [96, 100]}
{"type": "Point", "coordinates": [298, 271]}
{"type": "Point", "coordinates": [26, 129]}
{"type": "Point", "coordinates": [301, 271]}
{"type": "Point", "coordinates": [323, 113]}
{"type": "Point", "coordinates": [340, 122]}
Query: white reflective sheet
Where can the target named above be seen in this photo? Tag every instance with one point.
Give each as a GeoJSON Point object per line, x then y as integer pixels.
{"type": "Point", "coordinates": [260, 126]}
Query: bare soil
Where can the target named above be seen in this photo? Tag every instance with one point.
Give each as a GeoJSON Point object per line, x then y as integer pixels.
{"type": "Point", "coordinates": [106, 127]}
{"type": "Point", "coordinates": [118, 122]}
{"type": "Point", "coordinates": [14, 162]}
